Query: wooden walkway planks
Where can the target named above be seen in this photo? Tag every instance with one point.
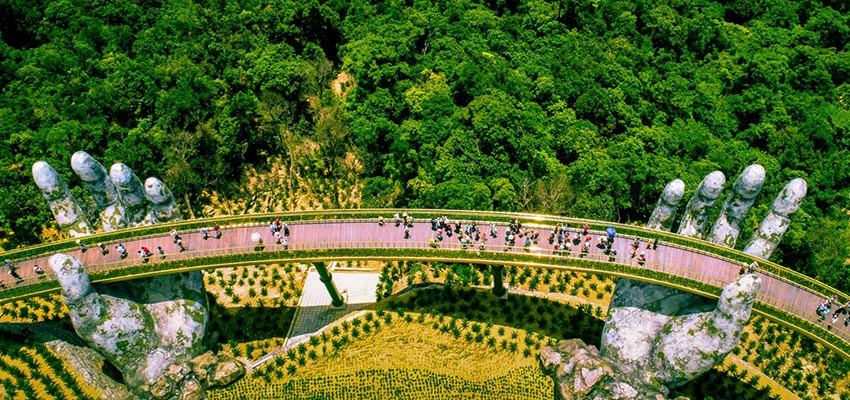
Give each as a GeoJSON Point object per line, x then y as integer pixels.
{"type": "Point", "coordinates": [359, 233]}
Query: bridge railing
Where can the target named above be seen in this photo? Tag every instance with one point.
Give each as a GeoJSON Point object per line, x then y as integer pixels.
{"type": "Point", "coordinates": [449, 251]}
{"type": "Point", "coordinates": [425, 214]}
{"type": "Point", "coordinates": [118, 268]}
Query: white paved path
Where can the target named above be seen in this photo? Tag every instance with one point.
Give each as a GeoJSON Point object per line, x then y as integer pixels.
{"type": "Point", "coordinates": [314, 311]}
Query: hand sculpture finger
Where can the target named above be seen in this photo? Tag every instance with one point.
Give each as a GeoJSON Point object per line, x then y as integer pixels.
{"type": "Point", "coordinates": [102, 190]}
{"type": "Point", "coordinates": [774, 225]}
{"type": "Point", "coordinates": [744, 192]}
{"type": "Point", "coordinates": [696, 343]}
{"type": "Point", "coordinates": [130, 187]}
{"type": "Point", "coordinates": [668, 203]}
{"type": "Point", "coordinates": [163, 206]}
{"type": "Point", "coordinates": [696, 213]}
{"type": "Point", "coordinates": [697, 332]}
{"type": "Point", "coordinates": [65, 209]}
{"type": "Point", "coordinates": [141, 329]}
{"type": "Point", "coordinates": [121, 199]}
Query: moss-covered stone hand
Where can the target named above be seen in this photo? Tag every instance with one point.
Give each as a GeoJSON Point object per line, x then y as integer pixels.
{"type": "Point", "coordinates": [666, 337]}
{"type": "Point", "coordinates": [149, 329]}
{"type": "Point", "coordinates": [141, 329]}
{"type": "Point", "coordinates": [119, 196]}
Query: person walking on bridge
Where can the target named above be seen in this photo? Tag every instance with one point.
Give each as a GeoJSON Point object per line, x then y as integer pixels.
{"type": "Point", "coordinates": [122, 251]}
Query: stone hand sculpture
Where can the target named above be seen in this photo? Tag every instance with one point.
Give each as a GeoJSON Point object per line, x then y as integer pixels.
{"type": "Point", "coordinates": [147, 328]}
{"type": "Point", "coordinates": [119, 196]}
{"type": "Point", "coordinates": [661, 336]}
{"type": "Point", "coordinates": [669, 337]}
{"type": "Point", "coordinates": [142, 328]}
{"type": "Point", "coordinates": [656, 338]}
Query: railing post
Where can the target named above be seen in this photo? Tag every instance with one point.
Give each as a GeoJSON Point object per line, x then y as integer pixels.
{"type": "Point", "coordinates": [498, 280]}
{"type": "Point", "coordinates": [325, 277]}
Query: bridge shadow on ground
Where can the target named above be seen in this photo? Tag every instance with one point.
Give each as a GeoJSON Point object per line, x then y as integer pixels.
{"type": "Point", "coordinates": [534, 314]}
{"type": "Point", "coordinates": [246, 324]}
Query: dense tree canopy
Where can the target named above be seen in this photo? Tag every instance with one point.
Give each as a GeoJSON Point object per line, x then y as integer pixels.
{"type": "Point", "coordinates": [583, 108]}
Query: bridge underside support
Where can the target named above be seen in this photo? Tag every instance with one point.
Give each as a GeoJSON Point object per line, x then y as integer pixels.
{"type": "Point", "coordinates": [498, 280]}
{"type": "Point", "coordinates": [325, 277]}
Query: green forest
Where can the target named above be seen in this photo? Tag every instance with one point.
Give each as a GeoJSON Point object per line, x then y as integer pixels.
{"type": "Point", "coordinates": [582, 108]}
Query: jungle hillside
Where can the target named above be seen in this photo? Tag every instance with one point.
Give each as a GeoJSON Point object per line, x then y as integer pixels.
{"type": "Point", "coordinates": [579, 108]}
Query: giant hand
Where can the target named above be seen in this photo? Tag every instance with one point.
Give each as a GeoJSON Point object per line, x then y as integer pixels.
{"type": "Point", "coordinates": [120, 199]}
{"type": "Point", "coordinates": [144, 326]}
{"type": "Point", "coordinates": [668, 337]}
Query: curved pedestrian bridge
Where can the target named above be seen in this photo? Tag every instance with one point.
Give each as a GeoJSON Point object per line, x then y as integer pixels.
{"type": "Point", "coordinates": [691, 265]}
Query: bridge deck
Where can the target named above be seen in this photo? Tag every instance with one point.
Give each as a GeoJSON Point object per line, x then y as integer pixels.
{"type": "Point", "coordinates": [668, 258]}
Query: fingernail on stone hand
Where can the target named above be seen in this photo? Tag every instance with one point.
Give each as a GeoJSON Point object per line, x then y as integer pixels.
{"type": "Point", "coordinates": [774, 225]}
{"type": "Point", "coordinates": [130, 187]}
{"type": "Point", "coordinates": [119, 196]}
{"type": "Point", "coordinates": [163, 206]}
{"type": "Point", "coordinates": [744, 192]}
{"type": "Point", "coordinates": [102, 190]}
{"type": "Point", "coordinates": [668, 203]}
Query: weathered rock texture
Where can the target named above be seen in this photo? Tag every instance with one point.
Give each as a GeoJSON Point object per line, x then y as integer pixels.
{"type": "Point", "coordinates": [664, 338]}
{"type": "Point", "coordinates": [89, 364]}
{"type": "Point", "coordinates": [83, 360]}
{"type": "Point", "coordinates": [102, 190]}
{"type": "Point", "coordinates": [163, 206]}
{"type": "Point", "coordinates": [744, 192]}
{"type": "Point", "coordinates": [140, 329]}
{"type": "Point", "coordinates": [190, 380]}
{"type": "Point", "coordinates": [668, 203]}
{"type": "Point", "coordinates": [774, 225]}
{"type": "Point", "coordinates": [582, 374]}
{"type": "Point", "coordinates": [148, 329]}
{"type": "Point", "coordinates": [132, 194]}
{"type": "Point", "coordinates": [696, 213]}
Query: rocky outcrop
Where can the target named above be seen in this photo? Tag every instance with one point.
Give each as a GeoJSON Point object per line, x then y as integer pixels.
{"type": "Point", "coordinates": [581, 373]}
{"type": "Point", "coordinates": [189, 381]}
{"type": "Point", "coordinates": [90, 365]}
{"type": "Point", "coordinates": [83, 360]}
{"type": "Point", "coordinates": [665, 210]}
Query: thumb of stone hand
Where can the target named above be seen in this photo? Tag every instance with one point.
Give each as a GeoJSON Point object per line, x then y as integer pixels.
{"type": "Point", "coordinates": [120, 329]}
{"type": "Point", "coordinates": [697, 342]}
